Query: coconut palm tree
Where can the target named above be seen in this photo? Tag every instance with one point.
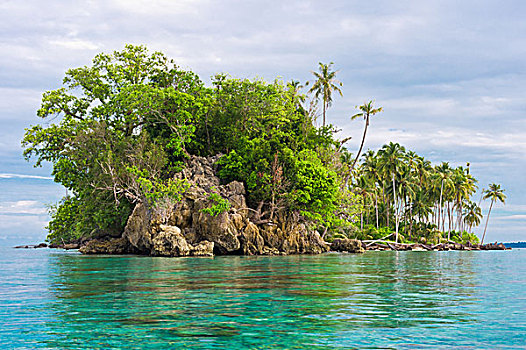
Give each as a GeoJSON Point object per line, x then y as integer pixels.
{"type": "Point", "coordinates": [472, 214]}
{"type": "Point", "coordinates": [443, 176]}
{"type": "Point", "coordinates": [324, 85]}
{"type": "Point", "coordinates": [495, 193]}
{"type": "Point", "coordinates": [367, 110]}
{"type": "Point", "coordinates": [391, 160]}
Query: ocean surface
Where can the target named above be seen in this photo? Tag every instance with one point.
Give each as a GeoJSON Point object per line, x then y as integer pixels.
{"type": "Point", "coordinates": [51, 299]}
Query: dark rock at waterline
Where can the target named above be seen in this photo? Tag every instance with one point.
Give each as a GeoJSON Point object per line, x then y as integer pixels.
{"type": "Point", "coordinates": [376, 245]}
{"type": "Point", "coordinates": [493, 246]}
{"type": "Point", "coordinates": [183, 229]}
{"type": "Point", "coordinates": [31, 246]}
{"type": "Point", "coordinates": [107, 246]}
{"type": "Point", "coordinates": [347, 245]}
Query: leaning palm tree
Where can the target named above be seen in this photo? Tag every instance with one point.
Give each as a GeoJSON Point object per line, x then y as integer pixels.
{"type": "Point", "coordinates": [324, 85]}
{"type": "Point", "coordinates": [496, 194]}
{"type": "Point", "coordinates": [367, 110]}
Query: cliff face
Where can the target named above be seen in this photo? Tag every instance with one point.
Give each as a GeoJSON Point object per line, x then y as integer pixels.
{"type": "Point", "coordinates": [183, 229]}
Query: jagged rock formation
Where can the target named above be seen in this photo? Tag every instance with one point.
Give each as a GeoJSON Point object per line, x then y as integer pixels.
{"type": "Point", "coordinates": [183, 229]}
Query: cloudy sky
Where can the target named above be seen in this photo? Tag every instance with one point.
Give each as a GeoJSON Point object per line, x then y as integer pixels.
{"type": "Point", "coordinates": [451, 77]}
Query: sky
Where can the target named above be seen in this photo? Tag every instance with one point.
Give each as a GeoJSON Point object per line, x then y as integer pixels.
{"type": "Point", "coordinates": [450, 76]}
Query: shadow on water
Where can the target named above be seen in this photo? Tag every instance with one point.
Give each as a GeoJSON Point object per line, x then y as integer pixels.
{"type": "Point", "coordinates": [311, 302]}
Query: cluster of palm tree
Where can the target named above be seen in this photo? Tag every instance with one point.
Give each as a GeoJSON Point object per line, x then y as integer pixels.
{"type": "Point", "coordinates": [399, 187]}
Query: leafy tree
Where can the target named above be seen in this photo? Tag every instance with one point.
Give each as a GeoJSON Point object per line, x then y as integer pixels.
{"type": "Point", "coordinates": [115, 133]}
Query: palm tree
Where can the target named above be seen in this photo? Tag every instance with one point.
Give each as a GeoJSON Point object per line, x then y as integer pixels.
{"type": "Point", "coordinates": [391, 157]}
{"type": "Point", "coordinates": [324, 85]}
{"type": "Point", "coordinates": [443, 176]}
{"type": "Point", "coordinates": [296, 86]}
{"type": "Point", "coordinates": [496, 194]}
{"type": "Point", "coordinates": [370, 168]}
{"type": "Point", "coordinates": [472, 214]}
{"type": "Point", "coordinates": [366, 111]}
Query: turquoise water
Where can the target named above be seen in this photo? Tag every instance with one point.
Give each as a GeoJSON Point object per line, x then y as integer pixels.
{"type": "Point", "coordinates": [393, 300]}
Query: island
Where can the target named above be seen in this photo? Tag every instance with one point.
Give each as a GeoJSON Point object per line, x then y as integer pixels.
{"type": "Point", "coordinates": [157, 163]}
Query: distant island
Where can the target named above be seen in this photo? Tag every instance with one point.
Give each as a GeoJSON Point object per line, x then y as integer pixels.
{"type": "Point", "coordinates": [157, 163]}
{"type": "Point", "coordinates": [515, 244]}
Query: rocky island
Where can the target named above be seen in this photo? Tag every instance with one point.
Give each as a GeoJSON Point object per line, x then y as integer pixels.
{"type": "Point", "coordinates": [157, 163]}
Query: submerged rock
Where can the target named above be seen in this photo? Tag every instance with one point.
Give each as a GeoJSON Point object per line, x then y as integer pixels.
{"type": "Point", "coordinates": [184, 229]}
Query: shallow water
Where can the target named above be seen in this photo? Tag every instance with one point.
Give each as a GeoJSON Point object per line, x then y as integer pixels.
{"type": "Point", "coordinates": [397, 300]}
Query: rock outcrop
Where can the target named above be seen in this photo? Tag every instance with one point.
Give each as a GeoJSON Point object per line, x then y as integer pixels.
{"type": "Point", "coordinates": [348, 245]}
{"type": "Point", "coordinates": [184, 229]}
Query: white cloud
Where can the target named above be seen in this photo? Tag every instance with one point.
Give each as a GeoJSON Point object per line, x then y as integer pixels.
{"type": "Point", "coordinates": [512, 217]}
{"type": "Point", "coordinates": [74, 44]}
{"type": "Point", "coordinates": [159, 7]}
{"type": "Point", "coordinates": [27, 207]}
{"type": "Point", "coordinates": [23, 176]}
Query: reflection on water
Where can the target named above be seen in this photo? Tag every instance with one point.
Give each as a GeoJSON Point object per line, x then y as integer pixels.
{"type": "Point", "coordinates": [378, 299]}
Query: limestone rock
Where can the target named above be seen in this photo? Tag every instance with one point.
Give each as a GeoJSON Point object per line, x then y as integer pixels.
{"type": "Point", "coordinates": [219, 229]}
{"type": "Point", "coordinates": [184, 229]}
{"type": "Point", "coordinates": [169, 242]}
{"type": "Point", "coordinates": [137, 230]}
{"type": "Point", "coordinates": [347, 245]}
{"type": "Point", "coordinates": [204, 248]}
{"type": "Point", "coordinates": [112, 246]}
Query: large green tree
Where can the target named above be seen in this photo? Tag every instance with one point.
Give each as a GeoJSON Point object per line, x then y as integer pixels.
{"type": "Point", "coordinates": [115, 133]}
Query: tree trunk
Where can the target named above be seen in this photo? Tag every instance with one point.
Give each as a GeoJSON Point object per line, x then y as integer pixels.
{"type": "Point", "coordinates": [376, 207]}
{"type": "Point", "coordinates": [411, 221]}
{"type": "Point", "coordinates": [487, 219]}
{"type": "Point", "coordinates": [361, 220]}
{"type": "Point", "coordinates": [324, 108]}
{"type": "Point", "coordinates": [448, 221]}
{"type": "Point", "coordinates": [363, 141]}
{"type": "Point", "coordinates": [440, 206]}
{"type": "Point", "coordinates": [395, 207]}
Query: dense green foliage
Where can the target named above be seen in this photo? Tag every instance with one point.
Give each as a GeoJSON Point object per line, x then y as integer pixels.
{"type": "Point", "coordinates": [120, 129]}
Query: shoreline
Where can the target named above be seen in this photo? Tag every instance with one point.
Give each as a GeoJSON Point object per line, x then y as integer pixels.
{"type": "Point", "coordinates": [337, 246]}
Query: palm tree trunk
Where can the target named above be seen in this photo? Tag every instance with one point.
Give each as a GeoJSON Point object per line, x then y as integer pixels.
{"type": "Point", "coordinates": [376, 207]}
{"type": "Point", "coordinates": [411, 222]}
{"type": "Point", "coordinates": [363, 141]}
{"type": "Point", "coordinates": [448, 221]}
{"type": "Point", "coordinates": [440, 206]}
{"type": "Point", "coordinates": [396, 215]}
{"type": "Point", "coordinates": [324, 109]}
{"type": "Point", "coordinates": [487, 219]}
{"type": "Point", "coordinates": [361, 220]}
